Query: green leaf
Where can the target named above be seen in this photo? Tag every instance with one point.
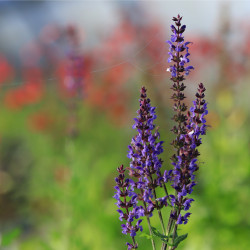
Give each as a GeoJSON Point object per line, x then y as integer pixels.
{"type": "Point", "coordinates": [149, 237]}
{"type": "Point", "coordinates": [163, 237]}
{"type": "Point", "coordinates": [179, 239]}
{"type": "Point", "coordinates": [158, 234]}
{"type": "Point", "coordinates": [9, 237]}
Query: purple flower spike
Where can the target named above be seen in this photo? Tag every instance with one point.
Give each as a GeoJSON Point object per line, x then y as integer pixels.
{"type": "Point", "coordinates": [190, 126]}
{"type": "Point", "coordinates": [144, 171]}
{"type": "Point", "coordinates": [185, 164]}
{"type": "Point", "coordinates": [127, 200]}
{"type": "Point", "coordinates": [144, 153]}
{"type": "Point", "coordinates": [178, 51]}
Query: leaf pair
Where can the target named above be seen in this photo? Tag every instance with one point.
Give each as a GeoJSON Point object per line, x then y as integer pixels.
{"type": "Point", "coordinates": [165, 238]}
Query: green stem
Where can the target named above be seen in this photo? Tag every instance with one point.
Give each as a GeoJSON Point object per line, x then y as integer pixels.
{"type": "Point", "coordinates": [149, 224]}
{"type": "Point", "coordinates": [174, 234]}
{"type": "Point", "coordinates": [159, 211]}
{"type": "Point", "coordinates": [176, 225]}
{"type": "Point", "coordinates": [133, 239]}
{"type": "Point", "coordinates": [170, 225]}
{"type": "Point", "coordinates": [151, 233]}
{"type": "Point", "coordinates": [169, 229]}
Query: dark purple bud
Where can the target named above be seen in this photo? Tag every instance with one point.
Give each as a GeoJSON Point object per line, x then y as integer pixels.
{"type": "Point", "coordinates": [182, 29]}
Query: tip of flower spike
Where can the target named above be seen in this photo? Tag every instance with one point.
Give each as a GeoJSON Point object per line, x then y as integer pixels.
{"type": "Point", "coordinates": [121, 169]}
{"type": "Point", "coordinates": [179, 17]}
{"type": "Point", "coordinates": [202, 88]}
{"type": "Point", "coordinates": [177, 20]}
{"type": "Point", "coordinates": [143, 92]}
{"type": "Point", "coordinates": [143, 89]}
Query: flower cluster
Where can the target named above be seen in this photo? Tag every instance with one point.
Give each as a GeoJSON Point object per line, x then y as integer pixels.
{"type": "Point", "coordinates": [127, 200]}
{"type": "Point", "coordinates": [178, 54]}
{"type": "Point", "coordinates": [144, 171]}
{"type": "Point", "coordinates": [177, 46]}
{"type": "Point", "coordinates": [143, 152]}
{"type": "Point", "coordinates": [198, 111]}
{"type": "Point", "coordinates": [188, 129]}
{"type": "Point", "coordinates": [145, 168]}
{"type": "Point", "coordinates": [184, 168]}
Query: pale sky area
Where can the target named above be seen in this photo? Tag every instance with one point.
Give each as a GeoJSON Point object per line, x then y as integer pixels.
{"type": "Point", "coordinates": [200, 15]}
{"type": "Point", "coordinates": [22, 20]}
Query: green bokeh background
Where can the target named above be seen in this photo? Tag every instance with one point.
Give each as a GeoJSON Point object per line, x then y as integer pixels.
{"type": "Point", "coordinates": [78, 211]}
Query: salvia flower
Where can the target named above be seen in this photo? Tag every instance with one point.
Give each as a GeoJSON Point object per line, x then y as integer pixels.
{"type": "Point", "coordinates": [127, 204]}
{"type": "Point", "coordinates": [190, 126]}
{"type": "Point", "coordinates": [145, 169]}
{"type": "Point", "coordinates": [137, 195]}
{"type": "Point", "coordinates": [144, 153]}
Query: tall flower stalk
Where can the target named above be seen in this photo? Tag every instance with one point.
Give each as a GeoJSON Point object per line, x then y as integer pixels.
{"type": "Point", "coordinates": [146, 165]}
{"type": "Point", "coordinates": [145, 168]}
{"type": "Point", "coordinates": [188, 129]}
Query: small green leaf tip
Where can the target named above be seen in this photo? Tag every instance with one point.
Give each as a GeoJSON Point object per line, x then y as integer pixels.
{"type": "Point", "coordinates": [179, 239]}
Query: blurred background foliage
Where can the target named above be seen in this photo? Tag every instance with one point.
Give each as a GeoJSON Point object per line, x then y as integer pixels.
{"type": "Point", "coordinates": [69, 92]}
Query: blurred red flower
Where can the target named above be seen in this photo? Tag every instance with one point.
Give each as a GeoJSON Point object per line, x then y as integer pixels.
{"type": "Point", "coordinates": [41, 121]}
{"type": "Point", "coordinates": [6, 71]}
{"type": "Point", "coordinates": [31, 91]}
{"type": "Point", "coordinates": [28, 93]}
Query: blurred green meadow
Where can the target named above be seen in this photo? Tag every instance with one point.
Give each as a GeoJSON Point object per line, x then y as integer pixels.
{"type": "Point", "coordinates": [59, 149]}
{"type": "Point", "coordinates": [56, 191]}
